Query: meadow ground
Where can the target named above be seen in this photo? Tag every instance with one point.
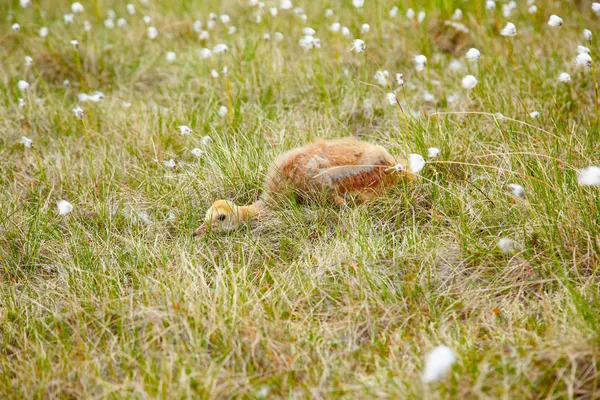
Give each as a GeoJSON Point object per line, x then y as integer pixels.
{"type": "Point", "coordinates": [117, 299]}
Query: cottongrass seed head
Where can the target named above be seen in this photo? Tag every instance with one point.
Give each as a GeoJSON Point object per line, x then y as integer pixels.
{"type": "Point", "coordinates": [555, 21]}
{"type": "Point", "coordinates": [358, 46]}
{"type": "Point", "coordinates": [438, 364]}
{"type": "Point", "coordinates": [64, 207]}
{"type": "Point", "coordinates": [469, 82]}
{"type": "Point", "coordinates": [564, 77]}
{"type": "Point", "coordinates": [473, 55]}
{"type": "Point", "coordinates": [416, 163]}
{"type": "Point", "coordinates": [509, 30]}
{"type": "Point", "coordinates": [589, 176]}
{"type": "Point", "coordinates": [433, 152]}
{"type": "Point", "coordinates": [517, 190]}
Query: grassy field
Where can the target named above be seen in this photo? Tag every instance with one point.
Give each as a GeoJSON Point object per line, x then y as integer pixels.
{"type": "Point", "coordinates": [116, 299]}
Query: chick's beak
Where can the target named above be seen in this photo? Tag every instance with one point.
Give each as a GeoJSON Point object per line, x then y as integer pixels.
{"type": "Point", "coordinates": [201, 230]}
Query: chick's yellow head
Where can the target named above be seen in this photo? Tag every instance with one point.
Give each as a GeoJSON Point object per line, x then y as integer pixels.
{"type": "Point", "coordinates": [222, 216]}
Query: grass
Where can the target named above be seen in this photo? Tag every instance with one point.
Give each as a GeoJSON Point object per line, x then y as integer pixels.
{"type": "Point", "coordinates": [116, 299]}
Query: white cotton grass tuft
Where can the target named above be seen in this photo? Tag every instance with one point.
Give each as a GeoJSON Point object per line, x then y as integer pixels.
{"type": "Point", "coordinates": [509, 30]}
{"type": "Point", "coordinates": [147, 19]}
{"type": "Point", "coordinates": [469, 82]}
{"type": "Point", "coordinates": [77, 8]}
{"type": "Point", "coordinates": [204, 35]}
{"type": "Point", "coordinates": [25, 141]}
{"type": "Point", "coordinates": [490, 5]}
{"type": "Point", "coordinates": [400, 80]}
{"type": "Point", "coordinates": [43, 32]}
{"type": "Point", "coordinates": [438, 364]}
{"type": "Point", "coordinates": [416, 163]}
{"type": "Point", "coordinates": [308, 31]}
{"type": "Point", "coordinates": [75, 43]}
{"type": "Point", "coordinates": [184, 130]}
{"type": "Point", "coordinates": [391, 98]}
{"type": "Point", "coordinates": [587, 35]}
{"type": "Point", "coordinates": [109, 24]}
{"type": "Point", "coordinates": [517, 190]}
{"type": "Point", "coordinates": [94, 97]}
{"type": "Point", "coordinates": [68, 19]}
{"type": "Point", "coordinates": [152, 32]}
{"type": "Point", "coordinates": [508, 246]}
{"type": "Point", "coordinates": [583, 49]}
{"type": "Point", "coordinates": [205, 53]}
{"type": "Point", "coordinates": [78, 111]}
{"type": "Point", "coordinates": [534, 114]}
{"type": "Point", "coordinates": [197, 152]}
{"type": "Point", "coordinates": [532, 9]}
{"type": "Point", "coordinates": [64, 207]}
{"type": "Point", "coordinates": [410, 13]}
{"type": "Point", "coordinates": [555, 21]}
{"type": "Point", "coordinates": [130, 9]}
{"type": "Point", "coordinates": [583, 59]}
{"type": "Point", "coordinates": [335, 27]}
{"type": "Point", "coordinates": [358, 46]}
{"type": "Point", "coordinates": [16, 27]}
{"type": "Point", "coordinates": [564, 77]}
{"type": "Point", "coordinates": [214, 73]}
{"type": "Point", "coordinates": [358, 3]}
{"type": "Point", "coordinates": [433, 152]}
{"type": "Point", "coordinates": [457, 15]}
{"type": "Point", "coordinates": [223, 111]}
{"type": "Point", "coordinates": [365, 28]}
{"type": "Point", "coordinates": [28, 61]}
{"type": "Point", "coordinates": [25, 3]}
{"type": "Point", "coordinates": [206, 140]}
{"type": "Point", "coordinates": [589, 176]}
{"type": "Point", "coordinates": [220, 48]}
{"type": "Point", "coordinates": [596, 8]}
{"type": "Point", "coordinates": [473, 55]}
{"type": "Point", "coordinates": [420, 62]}
{"type": "Point", "coordinates": [381, 77]}
{"type": "Point", "coordinates": [169, 163]}
{"type": "Point", "coordinates": [23, 85]}
{"type": "Point", "coordinates": [171, 56]}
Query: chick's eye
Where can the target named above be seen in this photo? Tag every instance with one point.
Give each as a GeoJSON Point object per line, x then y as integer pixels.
{"type": "Point", "coordinates": [222, 217]}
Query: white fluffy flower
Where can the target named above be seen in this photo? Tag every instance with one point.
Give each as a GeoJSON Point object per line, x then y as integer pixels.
{"type": "Point", "coordinates": [21, 103]}
{"type": "Point", "coordinates": [184, 130]}
{"type": "Point", "coordinates": [130, 9]}
{"type": "Point", "coordinates": [393, 12]}
{"type": "Point", "coordinates": [64, 207]}
{"type": "Point", "coordinates": [335, 27]}
{"type": "Point", "coordinates": [457, 15]}
{"type": "Point", "coordinates": [587, 35]}
{"type": "Point", "coordinates": [28, 61]}
{"type": "Point", "coordinates": [308, 31]}
{"type": "Point", "coordinates": [473, 55]}
{"type": "Point", "coordinates": [222, 111]}
{"type": "Point", "coordinates": [381, 77]}
{"type": "Point", "coordinates": [25, 141]}
{"type": "Point", "coordinates": [438, 363]}
{"type": "Point", "coordinates": [400, 79]}
{"type": "Point", "coordinates": [78, 111]}
{"type": "Point", "coordinates": [146, 19]}
{"type": "Point", "coordinates": [220, 48]}
{"type": "Point", "coordinates": [358, 3]}
{"type": "Point", "coordinates": [278, 36]}
{"type": "Point", "coordinates": [43, 31]}
{"type": "Point", "coordinates": [152, 33]}
{"type": "Point", "coordinates": [197, 26]}
{"type": "Point", "coordinates": [509, 246]}
{"type": "Point", "coordinates": [68, 18]}
{"type": "Point", "coordinates": [75, 43]}
{"type": "Point", "coordinates": [345, 31]}
{"type": "Point", "coordinates": [517, 190]}
{"type": "Point", "coordinates": [204, 35]}
{"type": "Point", "coordinates": [205, 53]}
{"type": "Point", "coordinates": [589, 176]}
{"type": "Point", "coordinates": [358, 46]}
{"type": "Point", "coordinates": [214, 73]}
{"type": "Point", "coordinates": [564, 77]}
{"type": "Point", "coordinates": [416, 163]}
{"type": "Point", "coordinates": [197, 152]}
{"type": "Point", "coordinates": [23, 85]}
{"type": "Point", "coordinates": [532, 9]}
{"type": "Point", "coordinates": [534, 114]}
{"type": "Point", "coordinates": [490, 5]}
{"type": "Point", "coordinates": [596, 8]}
{"type": "Point", "coordinates": [25, 3]}
{"type": "Point", "coordinates": [583, 49]}
{"type": "Point", "coordinates": [232, 29]}
{"type": "Point", "coordinates": [76, 8]}
{"type": "Point", "coordinates": [509, 30]}
{"type": "Point", "coordinates": [109, 23]}
{"type": "Point", "coordinates": [469, 82]}
{"type": "Point", "coordinates": [206, 140]}
{"type": "Point", "coordinates": [87, 26]}
{"type": "Point", "coordinates": [433, 152]}
{"type": "Point", "coordinates": [273, 11]}
{"type": "Point", "coordinates": [583, 59]}
{"type": "Point", "coordinates": [16, 27]}
{"type": "Point", "coordinates": [555, 21]}
{"type": "Point", "coordinates": [507, 9]}
{"type": "Point", "coordinates": [169, 163]}
{"type": "Point", "coordinates": [95, 97]}
{"type": "Point", "coordinates": [121, 22]}
{"type": "Point", "coordinates": [410, 13]}
{"type": "Point", "coordinates": [365, 28]}
{"type": "Point", "coordinates": [420, 62]}
{"type": "Point", "coordinates": [391, 98]}
{"type": "Point", "coordinates": [285, 5]}
{"type": "Point", "coordinates": [225, 19]}
{"type": "Point", "coordinates": [171, 56]}
{"type": "Point", "coordinates": [421, 17]}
